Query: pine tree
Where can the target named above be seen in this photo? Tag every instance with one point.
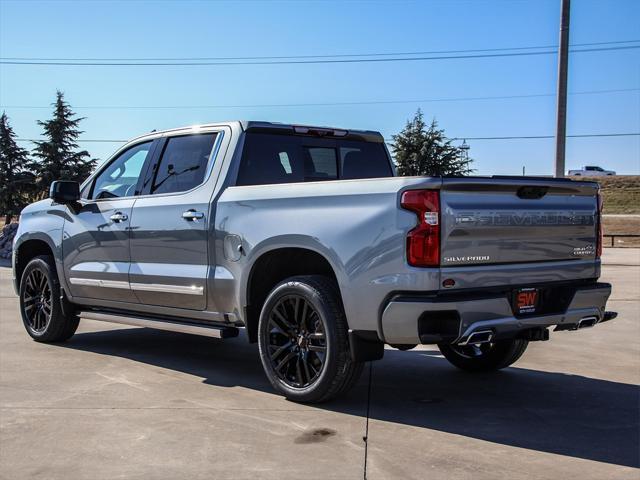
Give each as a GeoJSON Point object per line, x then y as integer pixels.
{"type": "Point", "coordinates": [58, 155]}
{"type": "Point", "coordinates": [15, 178]}
{"type": "Point", "coordinates": [422, 150]}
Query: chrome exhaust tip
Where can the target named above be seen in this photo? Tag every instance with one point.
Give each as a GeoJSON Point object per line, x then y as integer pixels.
{"type": "Point", "coordinates": [587, 322]}
{"type": "Point", "coordinates": [481, 336]}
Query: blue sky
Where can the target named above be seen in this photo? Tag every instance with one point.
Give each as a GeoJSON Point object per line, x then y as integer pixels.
{"type": "Point", "coordinates": [125, 29]}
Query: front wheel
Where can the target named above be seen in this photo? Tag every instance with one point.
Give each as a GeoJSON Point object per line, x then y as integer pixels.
{"type": "Point", "coordinates": [302, 337]}
{"type": "Point", "coordinates": [484, 357]}
{"type": "Point", "coordinates": [40, 303]}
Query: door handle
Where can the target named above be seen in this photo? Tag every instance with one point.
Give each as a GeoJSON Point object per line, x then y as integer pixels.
{"type": "Point", "coordinates": [119, 217]}
{"type": "Point", "coordinates": [192, 215]}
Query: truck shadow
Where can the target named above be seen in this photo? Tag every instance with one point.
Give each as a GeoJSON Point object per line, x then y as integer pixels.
{"type": "Point", "coordinates": [549, 412]}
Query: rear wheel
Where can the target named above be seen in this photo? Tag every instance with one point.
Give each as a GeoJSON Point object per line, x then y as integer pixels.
{"type": "Point", "coordinates": [484, 357]}
{"type": "Point", "coordinates": [303, 340]}
{"type": "Point", "coordinates": [40, 303]}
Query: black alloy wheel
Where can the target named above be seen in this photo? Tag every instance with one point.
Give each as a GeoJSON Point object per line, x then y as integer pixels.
{"type": "Point", "coordinates": [46, 313]}
{"type": "Point", "coordinates": [297, 341]}
{"type": "Point", "coordinates": [484, 357]}
{"type": "Point", "coordinates": [473, 350]}
{"type": "Point", "coordinates": [37, 301]}
{"type": "Point", "coordinates": [303, 340]}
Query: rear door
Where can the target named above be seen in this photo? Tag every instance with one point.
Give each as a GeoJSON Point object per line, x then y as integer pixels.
{"type": "Point", "coordinates": [170, 224]}
{"type": "Point", "coordinates": [502, 221]}
{"type": "Point", "coordinates": [96, 239]}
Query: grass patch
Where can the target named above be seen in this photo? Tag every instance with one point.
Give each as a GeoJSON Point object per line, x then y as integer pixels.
{"type": "Point", "coordinates": [621, 193]}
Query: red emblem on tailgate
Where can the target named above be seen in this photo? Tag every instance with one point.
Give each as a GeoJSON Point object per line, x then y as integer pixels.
{"type": "Point", "coordinates": [527, 299]}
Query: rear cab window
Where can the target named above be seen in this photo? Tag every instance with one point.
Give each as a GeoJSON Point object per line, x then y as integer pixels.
{"type": "Point", "coordinates": [182, 165]}
{"type": "Point", "coordinates": [279, 158]}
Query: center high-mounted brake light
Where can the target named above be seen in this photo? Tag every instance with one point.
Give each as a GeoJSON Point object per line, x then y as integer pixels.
{"type": "Point", "coordinates": [319, 132]}
{"type": "Point", "coordinates": [600, 238]}
{"type": "Point", "coordinates": [423, 242]}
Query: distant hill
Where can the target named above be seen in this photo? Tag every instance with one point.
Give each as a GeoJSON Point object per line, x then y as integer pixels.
{"type": "Point", "coordinates": [621, 193]}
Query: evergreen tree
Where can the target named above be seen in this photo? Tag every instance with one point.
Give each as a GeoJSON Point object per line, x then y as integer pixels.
{"type": "Point", "coordinates": [422, 150]}
{"type": "Point", "coordinates": [58, 155]}
{"type": "Point", "coordinates": [15, 178]}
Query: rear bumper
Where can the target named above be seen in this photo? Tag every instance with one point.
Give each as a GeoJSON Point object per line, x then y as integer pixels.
{"type": "Point", "coordinates": [415, 320]}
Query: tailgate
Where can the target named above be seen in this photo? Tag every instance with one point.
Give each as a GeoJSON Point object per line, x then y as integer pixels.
{"type": "Point", "coordinates": [488, 221]}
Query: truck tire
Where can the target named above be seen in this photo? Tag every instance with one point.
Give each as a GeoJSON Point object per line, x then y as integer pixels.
{"type": "Point", "coordinates": [486, 356]}
{"type": "Point", "coordinates": [303, 342]}
{"type": "Point", "coordinates": [40, 303]}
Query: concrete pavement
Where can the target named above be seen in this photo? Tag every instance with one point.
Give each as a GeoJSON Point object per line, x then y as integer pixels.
{"type": "Point", "coordinates": [117, 402]}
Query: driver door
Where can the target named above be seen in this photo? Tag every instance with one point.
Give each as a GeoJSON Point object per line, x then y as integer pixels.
{"type": "Point", "coordinates": [96, 238]}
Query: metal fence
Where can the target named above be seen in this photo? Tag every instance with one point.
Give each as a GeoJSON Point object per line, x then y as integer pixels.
{"type": "Point", "coordinates": [633, 240]}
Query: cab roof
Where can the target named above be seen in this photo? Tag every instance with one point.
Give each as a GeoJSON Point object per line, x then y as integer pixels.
{"type": "Point", "coordinates": [281, 128]}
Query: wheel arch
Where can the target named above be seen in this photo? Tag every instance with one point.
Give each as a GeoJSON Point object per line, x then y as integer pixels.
{"type": "Point", "coordinates": [29, 248]}
{"type": "Point", "coordinates": [271, 267]}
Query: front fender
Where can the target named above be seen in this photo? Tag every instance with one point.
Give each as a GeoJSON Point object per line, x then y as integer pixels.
{"type": "Point", "coordinates": [42, 222]}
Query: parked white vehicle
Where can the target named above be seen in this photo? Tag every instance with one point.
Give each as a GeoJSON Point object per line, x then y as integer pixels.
{"type": "Point", "coordinates": [591, 171]}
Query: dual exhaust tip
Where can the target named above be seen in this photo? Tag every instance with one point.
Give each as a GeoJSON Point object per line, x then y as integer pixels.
{"type": "Point", "coordinates": [586, 322]}
{"type": "Point", "coordinates": [481, 336]}
{"type": "Point", "coordinates": [486, 336]}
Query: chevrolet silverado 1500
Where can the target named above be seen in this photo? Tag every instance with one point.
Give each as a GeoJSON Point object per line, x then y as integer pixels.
{"type": "Point", "coordinates": [305, 238]}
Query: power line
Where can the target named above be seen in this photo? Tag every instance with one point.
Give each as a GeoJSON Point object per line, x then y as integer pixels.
{"type": "Point", "coordinates": [323, 104]}
{"type": "Point", "coordinates": [538, 137]}
{"type": "Point", "coordinates": [320, 61]}
{"type": "Point", "coordinates": [528, 137]}
{"type": "Point", "coordinates": [523, 137]}
{"type": "Point", "coordinates": [93, 140]}
{"type": "Point", "coordinates": [283, 57]}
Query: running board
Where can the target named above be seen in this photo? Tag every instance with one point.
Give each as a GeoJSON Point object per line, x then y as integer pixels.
{"type": "Point", "coordinates": [215, 331]}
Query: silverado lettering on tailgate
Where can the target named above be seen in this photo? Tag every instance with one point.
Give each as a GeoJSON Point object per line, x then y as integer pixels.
{"type": "Point", "coordinates": [505, 218]}
{"type": "Point", "coordinates": [467, 258]}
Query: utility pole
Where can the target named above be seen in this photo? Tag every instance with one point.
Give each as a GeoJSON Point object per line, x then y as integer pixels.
{"type": "Point", "coordinates": [563, 70]}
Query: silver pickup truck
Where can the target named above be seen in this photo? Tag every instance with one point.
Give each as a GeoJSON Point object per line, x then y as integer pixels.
{"type": "Point", "coordinates": [305, 238]}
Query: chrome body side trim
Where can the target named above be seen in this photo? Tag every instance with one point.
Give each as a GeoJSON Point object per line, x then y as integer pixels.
{"type": "Point", "coordinates": [96, 282]}
{"type": "Point", "coordinates": [157, 287]}
{"type": "Point", "coordinates": [146, 287]}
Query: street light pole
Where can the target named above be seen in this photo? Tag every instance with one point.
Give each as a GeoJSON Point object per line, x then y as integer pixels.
{"type": "Point", "coordinates": [563, 70]}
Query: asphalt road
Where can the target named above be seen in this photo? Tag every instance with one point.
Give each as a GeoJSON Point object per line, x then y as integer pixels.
{"type": "Point", "coordinates": [116, 402]}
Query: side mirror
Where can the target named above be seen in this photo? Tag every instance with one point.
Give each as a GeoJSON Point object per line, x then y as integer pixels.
{"type": "Point", "coordinates": [64, 191]}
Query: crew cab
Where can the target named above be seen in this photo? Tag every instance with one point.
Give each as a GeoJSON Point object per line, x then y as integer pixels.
{"type": "Point", "coordinates": [591, 171]}
{"type": "Point", "coordinates": [306, 239]}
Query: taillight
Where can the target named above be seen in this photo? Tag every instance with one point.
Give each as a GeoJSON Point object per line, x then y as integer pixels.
{"type": "Point", "coordinates": [600, 238]}
{"type": "Point", "coordinates": [423, 242]}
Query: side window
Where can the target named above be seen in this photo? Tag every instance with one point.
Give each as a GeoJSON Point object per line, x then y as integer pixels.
{"type": "Point", "coordinates": [183, 163]}
{"type": "Point", "coordinates": [120, 177]}
{"type": "Point", "coordinates": [320, 163]}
